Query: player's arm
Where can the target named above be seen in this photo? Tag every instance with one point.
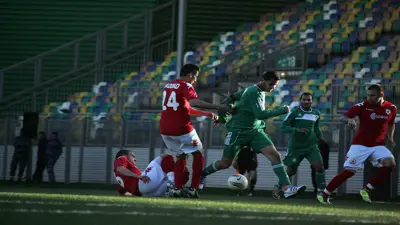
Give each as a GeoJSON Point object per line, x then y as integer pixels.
{"type": "Point", "coordinates": [286, 125]}
{"type": "Point", "coordinates": [234, 97]}
{"type": "Point", "coordinates": [195, 112]}
{"type": "Point", "coordinates": [391, 125]}
{"type": "Point", "coordinates": [124, 171]}
{"type": "Point", "coordinates": [348, 117]}
{"type": "Point", "coordinates": [260, 112]}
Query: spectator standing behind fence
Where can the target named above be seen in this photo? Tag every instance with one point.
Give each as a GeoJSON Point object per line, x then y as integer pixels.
{"type": "Point", "coordinates": [53, 152]}
{"type": "Point", "coordinates": [22, 146]}
{"type": "Point", "coordinates": [41, 157]}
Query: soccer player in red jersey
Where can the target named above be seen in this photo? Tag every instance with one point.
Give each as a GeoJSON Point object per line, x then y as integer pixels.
{"type": "Point", "coordinates": [377, 118]}
{"type": "Point", "coordinates": [177, 130]}
{"type": "Point", "coordinates": [153, 181]}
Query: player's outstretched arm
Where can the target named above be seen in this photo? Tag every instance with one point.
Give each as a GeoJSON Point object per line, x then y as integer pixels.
{"type": "Point", "coordinates": [205, 105]}
{"type": "Point", "coordinates": [286, 125]}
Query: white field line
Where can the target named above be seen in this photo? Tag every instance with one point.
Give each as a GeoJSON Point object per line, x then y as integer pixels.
{"type": "Point", "coordinates": [140, 206]}
{"type": "Point", "coordinates": [137, 213]}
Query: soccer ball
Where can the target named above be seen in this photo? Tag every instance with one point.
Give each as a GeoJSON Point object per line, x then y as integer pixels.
{"type": "Point", "coordinates": [237, 182]}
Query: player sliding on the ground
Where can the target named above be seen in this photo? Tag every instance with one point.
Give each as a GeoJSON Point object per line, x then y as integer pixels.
{"type": "Point", "coordinates": [377, 118]}
{"type": "Point", "coordinates": [302, 123]}
{"type": "Point", "coordinates": [177, 130]}
{"type": "Point", "coordinates": [247, 127]}
{"type": "Point", "coordinates": [153, 181]}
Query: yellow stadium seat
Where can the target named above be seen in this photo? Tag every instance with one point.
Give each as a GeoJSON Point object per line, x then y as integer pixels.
{"type": "Point", "coordinates": [52, 104]}
{"type": "Point", "coordinates": [340, 75]}
{"type": "Point", "coordinates": [322, 88]}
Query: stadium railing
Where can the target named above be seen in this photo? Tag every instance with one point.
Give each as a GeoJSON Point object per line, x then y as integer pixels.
{"type": "Point", "coordinates": [88, 56]}
{"type": "Point", "coordinates": [90, 146]}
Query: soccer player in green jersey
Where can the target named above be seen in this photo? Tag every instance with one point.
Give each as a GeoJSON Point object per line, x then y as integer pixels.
{"type": "Point", "coordinates": [302, 123]}
{"type": "Point", "coordinates": [246, 127]}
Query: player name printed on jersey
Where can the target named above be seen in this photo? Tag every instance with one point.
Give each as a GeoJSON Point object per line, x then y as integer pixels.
{"type": "Point", "coordinates": [173, 86]}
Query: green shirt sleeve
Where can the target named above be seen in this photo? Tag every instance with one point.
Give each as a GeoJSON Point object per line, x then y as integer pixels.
{"type": "Point", "coordinates": [317, 129]}
{"type": "Point", "coordinates": [223, 117]}
{"type": "Point", "coordinates": [234, 97]}
{"type": "Point", "coordinates": [286, 125]}
{"type": "Point", "coordinates": [258, 107]}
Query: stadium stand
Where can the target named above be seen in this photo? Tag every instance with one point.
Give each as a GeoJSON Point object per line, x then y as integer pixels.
{"type": "Point", "coordinates": [368, 38]}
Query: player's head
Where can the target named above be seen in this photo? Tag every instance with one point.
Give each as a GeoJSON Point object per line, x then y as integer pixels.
{"type": "Point", "coordinates": [306, 100]}
{"type": "Point", "coordinates": [129, 154]}
{"type": "Point", "coordinates": [374, 94]}
{"type": "Point", "coordinates": [269, 80]}
{"type": "Point", "coordinates": [189, 73]}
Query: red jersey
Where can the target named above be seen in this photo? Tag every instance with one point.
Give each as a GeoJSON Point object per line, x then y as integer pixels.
{"type": "Point", "coordinates": [175, 117]}
{"type": "Point", "coordinates": [130, 183]}
{"type": "Point", "coordinates": [374, 120]}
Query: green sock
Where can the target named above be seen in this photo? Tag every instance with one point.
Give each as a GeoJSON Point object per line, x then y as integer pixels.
{"type": "Point", "coordinates": [210, 169]}
{"type": "Point", "coordinates": [320, 179]}
{"type": "Point", "coordinates": [281, 174]}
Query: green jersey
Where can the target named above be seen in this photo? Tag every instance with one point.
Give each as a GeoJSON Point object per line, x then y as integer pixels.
{"type": "Point", "coordinates": [297, 119]}
{"type": "Point", "coordinates": [250, 113]}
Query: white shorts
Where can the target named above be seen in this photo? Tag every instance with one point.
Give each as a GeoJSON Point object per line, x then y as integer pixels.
{"type": "Point", "coordinates": [358, 154]}
{"type": "Point", "coordinates": [184, 144]}
{"type": "Point", "coordinates": [158, 179]}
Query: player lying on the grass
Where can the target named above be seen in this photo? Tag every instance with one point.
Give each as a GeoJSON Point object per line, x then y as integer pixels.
{"type": "Point", "coordinates": [177, 130]}
{"type": "Point", "coordinates": [153, 181]}
{"type": "Point", "coordinates": [302, 123]}
{"type": "Point", "coordinates": [377, 118]}
{"type": "Point", "coordinates": [246, 163]}
{"type": "Point", "coordinates": [247, 127]}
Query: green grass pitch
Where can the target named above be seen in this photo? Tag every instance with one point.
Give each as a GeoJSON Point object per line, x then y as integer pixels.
{"type": "Point", "coordinates": [64, 205]}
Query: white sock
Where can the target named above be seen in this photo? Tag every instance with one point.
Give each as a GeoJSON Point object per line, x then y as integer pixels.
{"type": "Point", "coordinates": [171, 177]}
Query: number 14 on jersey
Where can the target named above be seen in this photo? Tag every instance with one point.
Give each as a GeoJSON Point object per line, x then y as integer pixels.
{"type": "Point", "coordinates": [171, 101]}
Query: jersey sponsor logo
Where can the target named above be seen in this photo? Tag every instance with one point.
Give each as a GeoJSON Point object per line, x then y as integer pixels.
{"type": "Point", "coordinates": [172, 86]}
{"type": "Point", "coordinates": [374, 116]}
{"type": "Point", "coordinates": [310, 117]}
{"type": "Point", "coordinates": [371, 110]}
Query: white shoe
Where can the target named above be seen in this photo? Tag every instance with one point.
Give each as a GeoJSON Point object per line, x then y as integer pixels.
{"type": "Point", "coordinates": [292, 191]}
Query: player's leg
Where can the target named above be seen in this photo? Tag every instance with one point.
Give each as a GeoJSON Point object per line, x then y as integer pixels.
{"type": "Point", "coordinates": [355, 159]}
{"type": "Point", "coordinates": [224, 163]}
{"type": "Point", "coordinates": [291, 161]}
{"type": "Point", "coordinates": [174, 144]}
{"type": "Point", "coordinates": [384, 160]}
{"type": "Point", "coordinates": [157, 186]}
{"type": "Point", "coordinates": [261, 143]}
{"type": "Point", "coordinates": [315, 159]}
{"type": "Point", "coordinates": [252, 178]}
{"type": "Point", "coordinates": [233, 142]}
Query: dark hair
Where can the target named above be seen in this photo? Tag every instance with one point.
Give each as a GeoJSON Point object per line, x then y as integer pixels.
{"type": "Point", "coordinates": [268, 75]}
{"type": "Point", "coordinates": [375, 87]}
{"type": "Point", "coordinates": [122, 152]}
{"type": "Point", "coordinates": [306, 94]}
{"type": "Point", "coordinates": [188, 69]}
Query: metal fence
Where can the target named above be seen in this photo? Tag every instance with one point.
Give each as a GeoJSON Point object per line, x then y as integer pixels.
{"type": "Point", "coordinates": [90, 147]}
{"type": "Point", "coordinates": [94, 58]}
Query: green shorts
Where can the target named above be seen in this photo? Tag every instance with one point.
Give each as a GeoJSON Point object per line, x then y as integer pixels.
{"type": "Point", "coordinates": [295, 157]}
{"type": "Point", "coordinates": [256, 139]}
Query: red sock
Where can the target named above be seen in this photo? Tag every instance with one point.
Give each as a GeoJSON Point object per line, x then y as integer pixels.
{"type": "Point", "coordinates": [381, 176]}
{"type": "Point", "coordinates": [337, 181]}
{"type": "Point", "coordinates": [178, 173]}
{"type": "Point", "coordinates": [197, 167]}
{"type": "Point", "coordinates": [168, 164]}
{"type": "Point", "coordinates": [185, 176]}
